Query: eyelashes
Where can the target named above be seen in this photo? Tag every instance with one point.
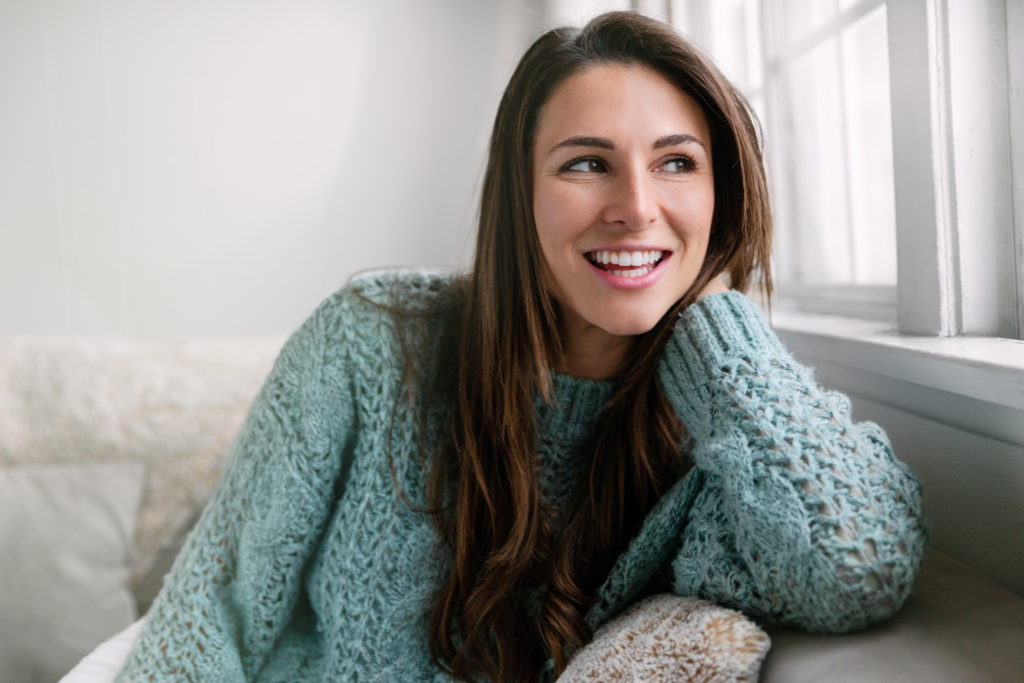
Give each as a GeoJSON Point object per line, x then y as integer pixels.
{"type": "Point", "coordinates": [584, 165]}
{"type": "Point", "coordinates": [679, 163]}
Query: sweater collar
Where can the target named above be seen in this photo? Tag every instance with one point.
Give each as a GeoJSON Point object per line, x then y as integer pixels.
{"type": "Point", "coordinates": [576, 409]}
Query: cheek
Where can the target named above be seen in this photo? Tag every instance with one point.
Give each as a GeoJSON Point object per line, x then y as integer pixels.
{"type": "Point", "coordinates": [557, 216]}
{"type": "Point", "coordinates": [548, 228]}
{"type": "Point", "coordinates": [703, 206]}
{"type": "Point", "coordinates": [546, 237]}
{"type": "Point", "coordinates": [694, 218]}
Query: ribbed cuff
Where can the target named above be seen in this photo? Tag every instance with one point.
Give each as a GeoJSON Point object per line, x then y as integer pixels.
{"type": "Point", "coordinates": [710, 335]}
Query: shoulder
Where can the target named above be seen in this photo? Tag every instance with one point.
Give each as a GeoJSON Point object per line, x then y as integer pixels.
{"type": "Point", "coordinates": [376, 297]}
{"type": "Point", "coordinates": [405, 290]}
{"type": "Point", "coordinates": [378, 312]}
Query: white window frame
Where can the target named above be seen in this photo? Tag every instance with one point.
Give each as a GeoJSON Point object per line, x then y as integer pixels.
{"type": "Point", "coordinates": [953, 169]}
{"type": "Point", "coordinates": [877, 302]}
{"type": "Point", "coordinates": [1014, 22]}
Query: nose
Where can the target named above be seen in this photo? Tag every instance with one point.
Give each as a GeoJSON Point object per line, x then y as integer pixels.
{"type": "Point", "coordinates": [631, 200]}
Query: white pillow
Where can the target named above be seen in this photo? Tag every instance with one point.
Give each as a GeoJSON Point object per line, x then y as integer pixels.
{"type": "Point", "coordinates": [103, 664]}
{"type": "Point", "coordinates": [66, 533]}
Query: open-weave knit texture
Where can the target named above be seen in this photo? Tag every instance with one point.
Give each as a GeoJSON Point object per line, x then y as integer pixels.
{"type": "Point", "coordinates": [308, 565]}
{"type": "Point", "coordinates": [672, 639]}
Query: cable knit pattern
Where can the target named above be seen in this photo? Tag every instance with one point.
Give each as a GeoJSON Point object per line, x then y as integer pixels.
{"type": "Point", "coordinates": [307, 565]}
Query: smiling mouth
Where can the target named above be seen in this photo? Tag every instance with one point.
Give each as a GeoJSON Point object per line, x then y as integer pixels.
{"type": "Point", "coordinates": [626, 264]}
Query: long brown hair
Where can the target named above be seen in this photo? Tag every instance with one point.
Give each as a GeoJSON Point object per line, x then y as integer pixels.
{"type": "Point", "coordinates": [483, 485]}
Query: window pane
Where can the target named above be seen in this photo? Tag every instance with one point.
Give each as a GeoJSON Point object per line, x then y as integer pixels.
{"type": "Point", "coordinates": [736, 41]}
{"type": "Point", "coordinates": [797, 19]}
{"type": "Point", "coordinates": [815, 180]}
{"type": "Point", "coordinates": [869, 135]}
{"type": "Point", "coordinates": [847, 4]}
{"type": "Point", "coordinates": [828, 131]}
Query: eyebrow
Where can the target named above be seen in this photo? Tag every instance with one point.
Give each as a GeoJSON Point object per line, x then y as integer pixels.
{"type": "Point", "coordinates": [605, 143]}
{"type": "Point", "coordinates": [585, 141]}
{"type": "Point", "coordinates": [678, 139]}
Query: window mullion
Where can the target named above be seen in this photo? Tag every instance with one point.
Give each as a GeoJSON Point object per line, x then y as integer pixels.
{"type": "Point", "coordinates": [1015, 65]}
{"type": "Point", "coordinates": [844, 126]}
{"type": "Point", "coordinates": [927, 271]}
{"type": "Point", "coordinates": [980, 125]}
{"type": "Point", "coordinates": [777, 128]}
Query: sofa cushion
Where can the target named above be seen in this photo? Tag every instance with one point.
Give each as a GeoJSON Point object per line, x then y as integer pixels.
{"type": "Point", "coordinates": [66, 533]}
{"type": "Point", "coordinates": [957, 625]}
{"type": "Point", "coordinates": [174, 406]}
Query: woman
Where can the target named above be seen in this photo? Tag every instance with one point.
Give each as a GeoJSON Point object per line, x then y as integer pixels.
{"type": "Point", "coordinates": [464, 476]}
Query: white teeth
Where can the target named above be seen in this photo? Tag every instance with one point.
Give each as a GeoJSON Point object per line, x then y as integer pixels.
{"type": "Point", "coordinates": [631, 273]}
{"type": "Point", "coordinates": [625, 258]}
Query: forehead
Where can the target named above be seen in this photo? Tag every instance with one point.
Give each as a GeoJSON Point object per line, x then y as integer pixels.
{"type": "Point", "coordinates": [619, 101]}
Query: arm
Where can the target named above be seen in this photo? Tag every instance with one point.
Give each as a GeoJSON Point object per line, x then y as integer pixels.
{"type": "Point", "coordinates": [237, 580]}
{"type": "Point", "coordinates": [803, 517]}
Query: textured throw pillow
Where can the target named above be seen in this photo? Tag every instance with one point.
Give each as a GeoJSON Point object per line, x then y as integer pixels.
{"type": "Point", "coordinates": [672, 638]}
{"type": "Point", "coordinates": [66, 533]}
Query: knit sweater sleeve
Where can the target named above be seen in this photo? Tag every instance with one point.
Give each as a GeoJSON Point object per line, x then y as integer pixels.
{"type": "Point", "coordinates": [237, 581]}
{"type": "Point", "coordinates": [804, 517]}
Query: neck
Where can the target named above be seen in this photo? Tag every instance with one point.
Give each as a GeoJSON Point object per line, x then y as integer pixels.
{"type": "Point", "coordinates": [590, 352]}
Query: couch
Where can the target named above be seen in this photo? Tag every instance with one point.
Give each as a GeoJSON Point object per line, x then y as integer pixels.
{"type": "Point", "coordinates": [109, 450]}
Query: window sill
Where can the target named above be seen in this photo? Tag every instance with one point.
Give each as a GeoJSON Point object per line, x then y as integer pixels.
{"type": "Point", "coordinates": [872, 302]}
{"type": "Point", "coordinates": [976, 383]}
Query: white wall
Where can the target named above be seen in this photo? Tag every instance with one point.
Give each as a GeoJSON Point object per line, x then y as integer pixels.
{"type": "Point", "coordinates": [216, 167]}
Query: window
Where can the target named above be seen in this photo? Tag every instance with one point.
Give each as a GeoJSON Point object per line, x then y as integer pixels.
{"type": "Point", "coordinates": [889, 149]}
{"type": "Point", "coordinates": [817, 74]}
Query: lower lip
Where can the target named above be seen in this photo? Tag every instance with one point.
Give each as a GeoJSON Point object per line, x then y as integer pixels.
{"type": "Point", "coordinates": [631, 283]}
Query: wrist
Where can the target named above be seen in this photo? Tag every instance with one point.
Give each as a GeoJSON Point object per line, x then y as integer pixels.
{"type": "Point", "coordinates": [708, 339]}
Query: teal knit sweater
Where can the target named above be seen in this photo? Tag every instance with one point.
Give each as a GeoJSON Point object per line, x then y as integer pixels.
{"type": "Point", "coordinates": [307, 566]}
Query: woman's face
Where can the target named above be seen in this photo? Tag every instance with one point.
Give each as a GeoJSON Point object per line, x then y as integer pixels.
{"type": "Point", "coordinates": [623, 196]}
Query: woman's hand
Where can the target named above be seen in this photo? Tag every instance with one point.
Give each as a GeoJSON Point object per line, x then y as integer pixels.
{"type": "Point", "coordinates": [716, 286]}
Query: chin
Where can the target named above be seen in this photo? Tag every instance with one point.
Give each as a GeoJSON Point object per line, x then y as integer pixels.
{"type": "Point", "coordinates": [632, 327]}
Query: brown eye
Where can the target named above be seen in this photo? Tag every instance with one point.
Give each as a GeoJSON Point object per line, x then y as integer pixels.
{"type": "Point", "coordinates": [587, 165]}
{"type": "Point", "coordinates": [679, 165]}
